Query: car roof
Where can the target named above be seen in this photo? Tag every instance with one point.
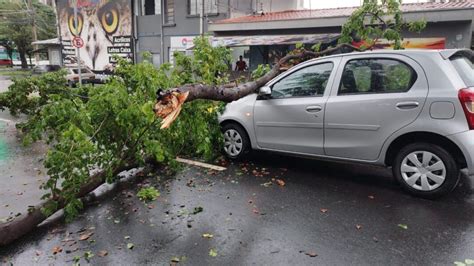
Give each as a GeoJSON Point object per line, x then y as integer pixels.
{"type": "Point", "coordinates": [445, 53]}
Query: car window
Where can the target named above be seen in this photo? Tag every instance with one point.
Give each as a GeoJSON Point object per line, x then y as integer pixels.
{"type": "Point", "coordinates": [308, 81]}
{"type": "Point", "coordinates": [376, 76]}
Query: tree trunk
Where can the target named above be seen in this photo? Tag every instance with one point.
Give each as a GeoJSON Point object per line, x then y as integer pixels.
{"type": "Point", "coordinates": [12, 230]}
{"type": "Point", "coordinates": [24, 62]}
{"type": "Point", "coordinates": [168, 104]}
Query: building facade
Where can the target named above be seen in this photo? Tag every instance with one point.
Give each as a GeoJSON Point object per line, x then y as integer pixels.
{"type": "Point", "coordinates": [167, 26]}
{"type": "Point", "coordinates": [449, 25]}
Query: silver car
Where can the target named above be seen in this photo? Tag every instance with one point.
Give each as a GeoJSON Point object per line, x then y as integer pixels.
{"type": "Point", "coordinates": [412, 110]}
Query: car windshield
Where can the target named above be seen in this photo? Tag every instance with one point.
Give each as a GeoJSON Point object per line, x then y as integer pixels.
{"type": "Point", "coordinates": [465, 68]}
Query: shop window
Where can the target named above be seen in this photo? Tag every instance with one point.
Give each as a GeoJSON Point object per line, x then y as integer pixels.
{"type": "Point", "coordinates": [195, 7]}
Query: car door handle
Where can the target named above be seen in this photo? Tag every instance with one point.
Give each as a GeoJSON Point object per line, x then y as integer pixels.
{"type": "Point", "coordinates": [407, 105]}
{"type": "Point", "coordinates": [314, 109]}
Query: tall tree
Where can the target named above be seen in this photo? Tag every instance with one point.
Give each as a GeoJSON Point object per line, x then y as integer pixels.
{"type": "Point", "coordinates": [16, 21]}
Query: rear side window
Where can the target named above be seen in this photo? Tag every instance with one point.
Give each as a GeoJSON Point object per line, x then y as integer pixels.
{"type": "Point", "coordinates": [378, 75]}
{"type": "Point", "coordinates": [465, 67]}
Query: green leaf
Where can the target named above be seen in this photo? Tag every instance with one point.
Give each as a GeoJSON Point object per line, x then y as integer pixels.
{"type": "Point", "coordinates": [212, 252]}
{"type": "Point", "coordinates": [404, 226]}
{"type": "Point", "coordinates": [88, 255]}
{"type": "Point", "coordinates": [130, 245]}
{"type": "Point", "coordinates": [148, 194]}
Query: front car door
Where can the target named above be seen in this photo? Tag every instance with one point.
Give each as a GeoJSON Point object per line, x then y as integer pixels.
{"type": "Point", "coordinates": [291, 120]}
{"type": "Point", "coordinates": [376, 96]}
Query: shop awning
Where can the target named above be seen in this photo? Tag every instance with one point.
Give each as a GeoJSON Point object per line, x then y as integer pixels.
{"type": "Point", "coordinates": [234, 41]}
{"type": "Point", "coordinates": [54, 41]}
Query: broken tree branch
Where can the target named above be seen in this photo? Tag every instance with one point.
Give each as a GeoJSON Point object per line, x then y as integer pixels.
{"type": "Point", "coordinates": [169, 103]}
{"type": "Point", "coordinates": [19, 226]}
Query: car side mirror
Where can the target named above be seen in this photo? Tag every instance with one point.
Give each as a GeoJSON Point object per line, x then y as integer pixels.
{"type": "Point", "coordinates": [264, 92]}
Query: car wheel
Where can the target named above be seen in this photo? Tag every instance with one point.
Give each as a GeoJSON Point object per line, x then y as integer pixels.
{"type": "Point", "coordinates": [426, 170]}
{"type": "Point", "coordinates": [236, 141]}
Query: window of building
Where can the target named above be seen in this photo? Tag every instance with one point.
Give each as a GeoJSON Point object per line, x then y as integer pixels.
{"type": "Point", "coordinates": [376, 76]}
{"type": "Point", "coordinates": [169, 11]}
{"type": "Point", "coordinates": [151, 7]}
{"type": "Point", "coordinates": [195, 7]}
{"type": "Point", "coordinates": [309, 81]}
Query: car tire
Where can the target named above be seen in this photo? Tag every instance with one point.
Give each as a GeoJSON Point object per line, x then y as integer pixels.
{"type": "Point", "coordinates": [236, 144]}
{"type": "Point", "coordinates": [426, 170]}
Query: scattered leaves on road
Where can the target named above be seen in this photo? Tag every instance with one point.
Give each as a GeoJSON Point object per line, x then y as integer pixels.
{"type": "Point", "coordinates": [130, 245]}
{"type": "Point", "coordinates": [88, 255]}
{"type": "Point", "coordinates": [212, 252]}
{"type": "Point", "coordinates": [197, 210]}
{"type": "Point", "coordinates": [207, 235]}
{"type": "Point", "coordinates": [371, 197]}
{"type": "Point", "coordinates": [57, 249]}
{"type": "Point", "coordinates": [358, 226]}
{"type": "Point", "coordinates": [312, 254]}
{"type": "Point", "coordinates": [148, 194]}
{"type": "Point", "coordinates": [280, 182]}
{"type": "Point", "coordinates": [102, 253]}
{"type": "Point", "coordinates": [85, 236]}
{"type": "Point", "coordinates": [464, 263]}
{"type": "Point", "coordinates": [404, 226]}
{"type": "Point", "coordinates": [267, 184]}
{"type": "Point", "coordinates": [323, 210]}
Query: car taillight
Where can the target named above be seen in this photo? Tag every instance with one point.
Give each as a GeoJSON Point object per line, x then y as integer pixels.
{"type": "Point", "coordinates": [466, 96]}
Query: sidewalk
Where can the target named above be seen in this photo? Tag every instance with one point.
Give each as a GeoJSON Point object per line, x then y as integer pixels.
{"type": "Point", "coordinates": [21, 171]}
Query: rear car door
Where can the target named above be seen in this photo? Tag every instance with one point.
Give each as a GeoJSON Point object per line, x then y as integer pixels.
{"type": "Point", "coordinates": [291, 119]}
{"type": "Point", "coordinates": [376, 95]}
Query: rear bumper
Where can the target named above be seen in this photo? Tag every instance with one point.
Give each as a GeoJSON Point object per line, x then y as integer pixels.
{"type": "Point", "coordinates": [465, 142]}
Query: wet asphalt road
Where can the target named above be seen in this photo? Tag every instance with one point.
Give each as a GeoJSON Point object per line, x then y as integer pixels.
{"type": "Point", "coordinates": [344, 214]}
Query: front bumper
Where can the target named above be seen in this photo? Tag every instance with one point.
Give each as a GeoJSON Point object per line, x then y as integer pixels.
{"type": "Point", "coordinates": [465, 142]}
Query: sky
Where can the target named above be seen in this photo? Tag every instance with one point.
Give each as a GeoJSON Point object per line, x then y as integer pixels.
{"type": "Point", "coordinates": [315, 4]}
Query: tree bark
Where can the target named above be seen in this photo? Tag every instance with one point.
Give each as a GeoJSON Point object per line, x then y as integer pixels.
{"type": "Point", "coordinates": [168, 104]}
{"type": "Point", "coordinates": [12, 230]}
{"type": "Point", "coordinates": [24, 62]}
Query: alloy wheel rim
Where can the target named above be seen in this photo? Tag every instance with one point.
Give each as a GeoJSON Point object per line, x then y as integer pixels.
{"type": "Point", "coordinates": [232, 142]}
{"type": "Point", "coordinates": [423, 170]}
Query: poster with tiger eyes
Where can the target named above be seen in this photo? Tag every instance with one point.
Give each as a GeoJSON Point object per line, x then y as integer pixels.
{"type": "Point", "coordinates": [105, 26]}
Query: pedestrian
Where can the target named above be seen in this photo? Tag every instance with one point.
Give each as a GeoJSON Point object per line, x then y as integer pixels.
{"type": "Point", "coordinates": [241, 65]}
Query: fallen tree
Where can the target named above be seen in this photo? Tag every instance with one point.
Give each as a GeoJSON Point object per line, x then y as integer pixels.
{"type": "Point", "coordinates": [115, 126]}
{"type": "Point", "coordinates": [169, 103]}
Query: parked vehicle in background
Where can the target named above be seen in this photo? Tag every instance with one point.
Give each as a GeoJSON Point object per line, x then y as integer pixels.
{"type": "Point", "coordinates": [412, 110]}
{"type": "Point", "coordinates": [41, 69]}
{"type": "Point", "coordinates": [72, 75]}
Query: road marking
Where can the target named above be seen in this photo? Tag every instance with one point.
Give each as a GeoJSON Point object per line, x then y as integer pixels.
{"type": "Point", "coordinates": [205, 165]}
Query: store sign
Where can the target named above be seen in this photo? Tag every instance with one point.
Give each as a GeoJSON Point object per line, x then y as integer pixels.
{"type": "Point", "coordinates": [181, 44]}
{"type": "Point", "coordinates": [105, 28]}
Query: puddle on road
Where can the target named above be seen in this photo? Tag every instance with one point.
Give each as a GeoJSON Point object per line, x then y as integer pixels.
{"type": "Point", "coordinates": [3, 144]}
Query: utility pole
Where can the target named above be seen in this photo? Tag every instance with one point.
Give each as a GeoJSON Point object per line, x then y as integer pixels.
{"type": "Point", "coordinates": [33, 28]}
{"type": "Point", "coordinates": [78, 50]}
{"type": "Point", "coordinates": [201, 18]}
